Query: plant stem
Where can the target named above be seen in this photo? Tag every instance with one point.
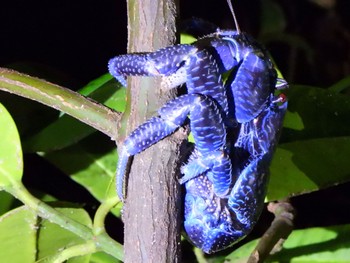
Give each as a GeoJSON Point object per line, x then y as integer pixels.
{"type": "Point", "coordinates": [101, 241]}
{"type": "Point", "coordinates": [152, 210]}
{"type": "Point", "coordinates": [280, 229]}
{"type": "Point", "coordinates": [82, 108]}
{"type": "Point", "coordinates": [101, 213]}
{"type": "Point", "coordinates": [73, 251]}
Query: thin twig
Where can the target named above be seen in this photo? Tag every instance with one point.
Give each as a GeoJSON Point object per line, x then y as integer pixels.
{"type": "Point", "coordinates": [101, 240]}
{"type": "Point", "coordinates": [277, 233]}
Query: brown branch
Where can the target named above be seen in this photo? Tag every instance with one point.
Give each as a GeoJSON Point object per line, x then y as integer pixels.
{"type": "Point", "coordinates": [153, 205]}
{"type": "Point", "coordinates": [278, 232]}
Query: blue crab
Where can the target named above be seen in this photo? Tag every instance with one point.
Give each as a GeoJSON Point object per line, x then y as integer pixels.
{"type": "Point", "coordinates": [235, 126]}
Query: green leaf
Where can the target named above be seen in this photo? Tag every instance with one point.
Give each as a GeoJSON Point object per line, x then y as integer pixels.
{"type": "Point", "coordinates": [241, 255]}
{"type": "Point", "coordinates": [60, 134]}
{"type": "Point", "coordinates": [187, 39]}
{"type": "Point", "coordinates": [95, 84]}
{"type": "Point", "coordinates": [101, 257]}
{"type": "Point", "coordinates": [292, 120]}
{"type": "Point", "coordinates": [341, 85]}
{"type": "Point", "coordinates": [304, 166]}
{"type": "Point", "coordinates": [18, 236]}
{"type": "Point", "coordinates": [315, 143]}
{"type": "Point", "coordinates": [6, 202]}
{"type": "Point", "coordinates": [315, 113]}
{"type": "Point", "coordinates": [24, 238]}
{"type": "Point", "coordinates": [53, 238]}
{"type": "Point", "coordinates": [319, 244]}
{"type": "Point", "coordinates": [313, 245]}
{"type": "Point", "coordinates": [11, 164]}
{"type": "Point", "coordinates": [91, 163]}
{"type": "Point", "coordinates": [30, 116]}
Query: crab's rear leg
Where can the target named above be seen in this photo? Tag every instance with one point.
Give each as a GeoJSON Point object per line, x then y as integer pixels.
{"type": "Point", "coordinates": [163, 62]}
{"type": "Point", "coordinates": [206, 124]}
{"type": "Point", "coordinates": [259, 137]}
{"type": "Point", "coordinates": [252, 86]}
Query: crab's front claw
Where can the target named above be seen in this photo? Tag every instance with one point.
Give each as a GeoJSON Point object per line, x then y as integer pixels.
{"type": "Point", "coordinates": [163, 62]}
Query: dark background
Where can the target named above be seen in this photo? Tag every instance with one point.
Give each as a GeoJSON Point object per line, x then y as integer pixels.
{"type": "Point", "coordinates": [70, 43]}
{"type": "Point", "coordinates": [77, 38]}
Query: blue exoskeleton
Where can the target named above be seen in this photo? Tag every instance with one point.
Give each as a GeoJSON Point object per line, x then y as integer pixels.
{"type": "Point", "coordinates": [235, 127]}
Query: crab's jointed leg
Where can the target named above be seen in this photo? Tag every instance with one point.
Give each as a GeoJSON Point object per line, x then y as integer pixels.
{"type": "Point", "coordinates": [207, 127]}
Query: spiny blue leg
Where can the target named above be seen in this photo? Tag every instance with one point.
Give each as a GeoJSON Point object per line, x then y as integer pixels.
{"type": "Point", "coordinates": [214, 223]}
{"type": "Point", "coordinates": [206, 124]}
{"type": "Point", "coordinates": [247, 196]}
{"type": "Point", "coordinates": [204, 77]}
{"type": "Point", "coordinates": [194, 65]}
{"type": "Point", "coordinates": [208, 221]}
{"type": "Point", "coordinates": [165, 61]}
{"type": "Point", "coordinates": [259, 138]}
{"type": "Point", "coordinates": [198, 68]}
{"type": "Point", "coordinates": [218, 167]}
{"type": "Point", "coordinates": [252, 86]}
{"type": "Point", "coordinates": [140, 139]}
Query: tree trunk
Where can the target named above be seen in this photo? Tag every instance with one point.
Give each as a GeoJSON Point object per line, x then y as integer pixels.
{"type": "Point", "coordinates": [152, 211]}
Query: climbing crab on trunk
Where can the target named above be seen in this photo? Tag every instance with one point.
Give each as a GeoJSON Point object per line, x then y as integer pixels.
{"type": "Point", "coordinates": [235, 126]}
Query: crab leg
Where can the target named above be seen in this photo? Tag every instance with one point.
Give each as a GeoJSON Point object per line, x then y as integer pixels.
{"type": "Point", "coordinates": [258, 137]}
{"type": "Point", "coordinates": [163, 62]}
{"type": "Point", "coordinates": [206, 125]}
{"type": "Point", "coordinates": [195, 66]}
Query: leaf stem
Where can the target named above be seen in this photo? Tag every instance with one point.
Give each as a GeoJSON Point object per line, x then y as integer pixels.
{"type": "Point", "coordinates": [101, 213]}
{"type": "Point", "coordinates": [278, 232]}
{"type": "Point", "coordinates": [82, 108]}
{"type": "Point", "coordinates": [101, 241]}
{"type": "Point", "coordinates": [73, 251]}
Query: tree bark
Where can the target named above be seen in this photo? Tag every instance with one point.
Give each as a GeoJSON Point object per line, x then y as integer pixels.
{"type": "Point", "coordinates": [153, 206]}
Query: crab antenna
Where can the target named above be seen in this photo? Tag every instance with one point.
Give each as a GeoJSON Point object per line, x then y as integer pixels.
{"type": "Point", "coordinates": [234, 16]}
